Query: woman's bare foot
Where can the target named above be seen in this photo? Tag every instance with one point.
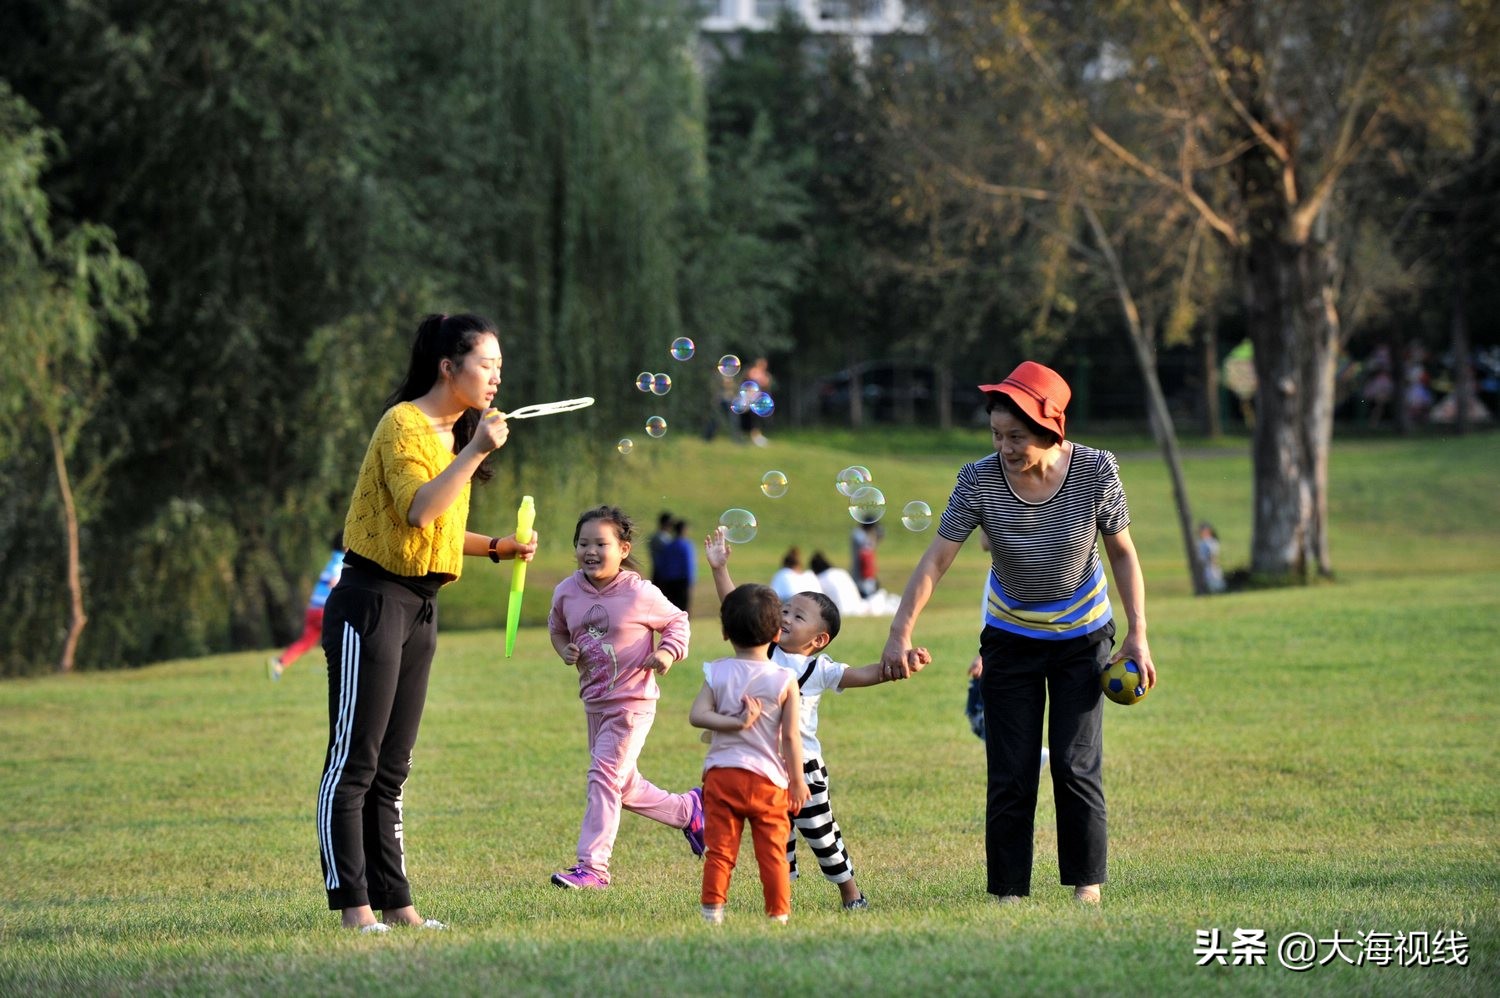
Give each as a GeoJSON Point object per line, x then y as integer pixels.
{"type": "Point", "coordinates": [1087, 894]}
{"type": "Point", "coordinates": [401, 916]}
{"type": "Point", "coordinates": [358, 918]}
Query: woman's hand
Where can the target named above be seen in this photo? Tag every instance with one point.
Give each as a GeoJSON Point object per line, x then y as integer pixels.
{"type": "Point", "coordinates": [899, 659]}
{"type": "Point", "coordinates": [510, 548]}
{"type": "Point", "coordinates": [1134, 647]}
{"type": "Point", "coordinates": [491, 433]}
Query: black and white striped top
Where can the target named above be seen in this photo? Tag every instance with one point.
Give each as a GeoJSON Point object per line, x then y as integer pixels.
{"type": "Point", "coordinates": [1042, 554]}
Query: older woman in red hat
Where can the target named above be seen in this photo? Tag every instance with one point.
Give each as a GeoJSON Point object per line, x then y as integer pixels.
{"type": "Point", "coordinates": [1043, 501]}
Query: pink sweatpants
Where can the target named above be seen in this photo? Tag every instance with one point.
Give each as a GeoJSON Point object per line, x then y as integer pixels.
{"type": "Point", "coordinates": [616, 737]}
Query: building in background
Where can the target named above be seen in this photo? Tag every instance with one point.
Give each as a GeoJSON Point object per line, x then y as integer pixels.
{"type": "Point", "coordinates": [857, 23]}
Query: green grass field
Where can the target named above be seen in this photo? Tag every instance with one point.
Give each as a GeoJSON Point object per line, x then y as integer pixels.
{"type": "Point", "coordinates": [1317, 761]}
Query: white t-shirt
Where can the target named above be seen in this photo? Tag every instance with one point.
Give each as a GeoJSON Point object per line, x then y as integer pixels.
{"type": "Point", "coordinates": [788, 582]}
{"type": "Point", "coordinates": [826, 675]}
{"type": "Point", "coordinates": [838, 585]}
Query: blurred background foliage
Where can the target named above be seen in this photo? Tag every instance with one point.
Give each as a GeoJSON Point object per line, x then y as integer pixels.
{"type": "Point", "coordinates": [220, 221]}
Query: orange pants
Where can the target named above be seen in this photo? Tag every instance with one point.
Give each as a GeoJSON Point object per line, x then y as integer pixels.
{"type": "Point", "coordinates": [730, 798]}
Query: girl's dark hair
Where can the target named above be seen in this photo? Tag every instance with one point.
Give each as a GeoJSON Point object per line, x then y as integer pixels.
{"type": "Point", "coordinates": [751, 615]}
{"type": "Point", "coordinates": [1000, 400]}
{"type": "Point", "coordinates": [440, 338]}
{"type": "Point", "coordinates": [819, 563]}
{"type": "Point", "coordinates": [624, 526]}
{"type": "Point", "coordinates": [792, 559]}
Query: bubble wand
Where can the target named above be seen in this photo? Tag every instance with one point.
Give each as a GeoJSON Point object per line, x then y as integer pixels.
{"type": "Point", "coordinates": [525, 517]}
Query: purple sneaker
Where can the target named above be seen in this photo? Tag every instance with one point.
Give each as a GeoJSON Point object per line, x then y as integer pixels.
{"type": "Point", "coordinates": [579, 879]}
{"type": "Point", "coordinates": [694, 829]}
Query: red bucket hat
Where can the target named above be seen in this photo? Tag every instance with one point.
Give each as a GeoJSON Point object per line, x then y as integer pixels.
{"type": "Point", "coordinates": [1040, 392]}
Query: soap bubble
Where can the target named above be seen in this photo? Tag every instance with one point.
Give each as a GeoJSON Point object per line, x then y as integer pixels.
{"type": "Point", "coordinates": [643, 381]}
{"type": "Point", "coordinates": [739, 525]}
{"type": "Point", "coordinates": [682, 348]}
{"type": "Point", "coordinates": [661, 384]}
{"type": "Point", "coordinates": [749, 389]}
{"type": "Point", "coordinates": [625, 446]}
{"type": "Point", "coordinates": [916, 516]}
{"type": "Point", "coordinates": [729, 365]}
{"type": "Point", "coordinates": [656, 426]}
{"type": "Point", "coordinates": [867, 504]}
{"type": "Point", "coordinates": [740, 405]}
{"type": "Point", "coordinates": [763, 405]}
{"type": "Point", "coordinates": [773, 484]}
{"type": "Point", "coordinates": [852, 478]}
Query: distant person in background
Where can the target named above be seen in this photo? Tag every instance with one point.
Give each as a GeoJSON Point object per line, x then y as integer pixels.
{"type": "Point", "coordinates": [838, 585]}
{"type": "Point", "coordinates": [1208, 551]}
{"type": "Point", "coordinates": [791, 578]}
{"type": "Point", "coordinates": [677, 567]}
{"type": "Point", "coordinates": [760, 373]}
{"type": "Point", "coordinates": [658, 544]}
{"type": "Point", "coordinates": [863, 541]}
{"type": "Point", "coordinates": [312, 620]}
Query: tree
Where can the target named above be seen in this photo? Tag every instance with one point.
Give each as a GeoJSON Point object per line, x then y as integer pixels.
{"type": "Point", "coordinates": [59, 297]}
{"type": "Point", "coordinates": [1257, 119]}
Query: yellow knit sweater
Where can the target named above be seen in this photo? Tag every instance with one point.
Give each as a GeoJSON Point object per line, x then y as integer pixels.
{"type": "Point", "coordinates": [405, 454]}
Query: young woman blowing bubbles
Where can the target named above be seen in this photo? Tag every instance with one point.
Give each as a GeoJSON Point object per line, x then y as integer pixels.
{"type": "Point", "coordinates": [407, 535]}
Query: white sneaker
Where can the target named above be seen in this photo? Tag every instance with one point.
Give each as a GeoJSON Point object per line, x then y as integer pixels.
{"type": "Point", "coordinates": [274, 668]}
{"type": "Point", "coordinates": [713, 914]}
{"type": "Point", "coordinates": [374, 929]}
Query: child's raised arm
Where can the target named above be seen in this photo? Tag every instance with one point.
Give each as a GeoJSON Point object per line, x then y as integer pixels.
{"type": "Point", "coordinates": [791, 747]}
{"type": "Point", "coordinates": [703, 714]}
{"type": "Point", "coordinates": [873, 675]}
{"type": "Point", "coordinates": [716, 553]}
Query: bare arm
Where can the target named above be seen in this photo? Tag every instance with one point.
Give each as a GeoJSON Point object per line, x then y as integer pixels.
{"type": "Point", "coordinates": [898, 658]}
{"type": "Point", "coordinates": [1126, 567]}
{"type": "Point", "coordinates": [874, 673]}
{"type": "Point", "coordinates": [791, 747]}
{"type": "Point", "coordinates": [478, 546]}
{"type": "Point", "coordinates": [434, 499]}
{"type": "Point", "coordinates": [703, 714]}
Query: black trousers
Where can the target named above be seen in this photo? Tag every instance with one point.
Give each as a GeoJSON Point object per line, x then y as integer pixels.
{"type": "Point", "coordinates": [1020, 674]}
{"type": "Point", "coordinates": [379, 637]}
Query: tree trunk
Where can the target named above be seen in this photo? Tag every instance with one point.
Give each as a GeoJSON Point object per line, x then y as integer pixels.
{"type": "Point", "coordinates": [76, 617]}
{"type": "Point", "coordinates": [943, 382]}
{"type": "Point", "coordinates": [1463, 371]}
{"type": "Point", "coordinates": [856, 396]}
{"type": "Point", "coordinates": [1156, 403]}
{"type": "Point", "coordinates": [1213, 428]}
{"type": "Point", "coordinates": [1294, 327]}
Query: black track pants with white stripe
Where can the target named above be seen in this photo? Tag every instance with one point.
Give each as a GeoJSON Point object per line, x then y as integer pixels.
{"type": "Point", "coordinates": [379, 637]}
{"type": "Point", "coordinates": [816, 823]}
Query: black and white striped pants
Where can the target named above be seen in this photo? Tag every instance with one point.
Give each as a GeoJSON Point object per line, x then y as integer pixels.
{"type": "Point", "coordinates": [816, 823]}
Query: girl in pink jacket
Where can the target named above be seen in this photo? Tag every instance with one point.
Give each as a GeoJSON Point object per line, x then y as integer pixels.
{"type": "Point", "coordinates": [620, 632]}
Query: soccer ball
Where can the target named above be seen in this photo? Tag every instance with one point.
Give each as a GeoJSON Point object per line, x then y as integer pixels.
{"type": "Point", "coordinates": [1123, 682]}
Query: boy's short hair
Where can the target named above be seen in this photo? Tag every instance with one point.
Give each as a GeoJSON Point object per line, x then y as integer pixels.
{"type": "Point", "coordinates": [829, 610]}
{"type": "Point", "coordinates": [751, 615]}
